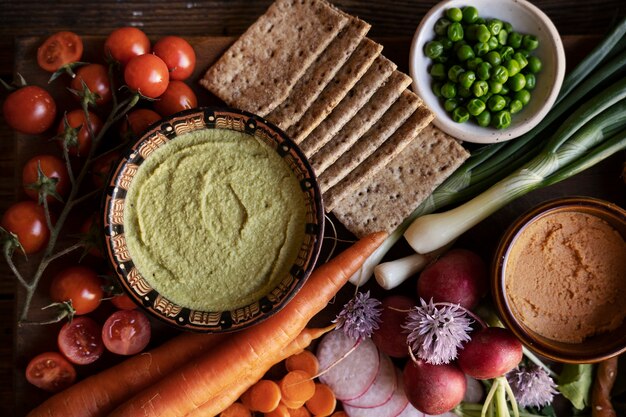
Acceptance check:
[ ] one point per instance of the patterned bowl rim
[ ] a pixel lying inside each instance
(116, 250)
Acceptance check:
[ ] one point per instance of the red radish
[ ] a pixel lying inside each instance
(492, 352)
(381, 389)
(390, 337)
(391, 408)
(459, 277)
(433, 389)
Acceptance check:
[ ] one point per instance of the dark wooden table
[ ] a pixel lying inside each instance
(580, 23)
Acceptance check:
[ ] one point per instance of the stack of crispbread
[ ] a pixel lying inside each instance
(310, 69)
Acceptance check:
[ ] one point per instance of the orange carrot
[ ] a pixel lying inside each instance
(264, 396)
(305, 361)
(291, 404)
(299, 412)
(323, 402)
(99, 394)
(297, 386)
(280, 411)
(201, 380)
(236, 410)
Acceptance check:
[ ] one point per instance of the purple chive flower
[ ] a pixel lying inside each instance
(532, 386)
(437, 331)
(360, 316)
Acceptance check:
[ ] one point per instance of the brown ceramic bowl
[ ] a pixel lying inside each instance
(592, 349)
(131, 279)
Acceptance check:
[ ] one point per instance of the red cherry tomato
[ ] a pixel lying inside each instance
(123, 302)
(147, 74)
(77, 118)
(177, 97)
(178, 55)
(27, 220)
(102, 166)
(92, 235)
(50, 371)
(126, 332)
(80, 285)
(29, 110)
(52, 167)
(96, 77)
(80, 341)
(125, 43)
(59, 49)
(138, 121)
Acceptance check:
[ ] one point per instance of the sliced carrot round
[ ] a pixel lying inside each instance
(280, 411)
(323, 402)
(304, 361)
(299, 412)
(263, 396)
(236, 410)
(297, 386)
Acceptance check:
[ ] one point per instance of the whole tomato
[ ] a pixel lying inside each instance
(29, 110)
(59, 49)
(52, 167)
(102, 166)
(177, 54)
(76, 118)
(91, 232)
(177, 97)
(147, 74)
(80, 285)
(96, 77)
(27, 220)
(138, 121)
(125, 43)
(123, 302)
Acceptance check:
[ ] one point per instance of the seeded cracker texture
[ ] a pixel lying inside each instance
(386, 199)
(259, 70)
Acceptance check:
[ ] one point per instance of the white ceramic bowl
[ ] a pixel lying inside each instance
(526, 19)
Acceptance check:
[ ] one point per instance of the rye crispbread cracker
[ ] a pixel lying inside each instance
(393, 193)
(349, 74)
(361, 122)
(381, 157)
(319, 74)
(259, 70)
(393, 118)
(356, 98)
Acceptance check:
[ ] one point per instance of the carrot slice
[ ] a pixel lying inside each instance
(304, 361)
(264, 396)
(280, 411)
(297, 386)
(236, 410)
(323, 402)
(299, 412)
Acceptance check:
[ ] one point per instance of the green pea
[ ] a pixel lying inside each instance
(480, 21)
(517, 82)
(470, 32)
(513, 67)
(506, 52)
(455, 14)
(523, 51)
(493, 43)
(514, 40)
(502, 37)
(507, 101)
(464, 53)
(482, 33)
(460, 115)
(499, 74)
(534, 64)
(481, 48)
(464, 92)
(433, 49)
(437, 89)
(473, 63)
(480, 88)
(494, 58)
(455, 32)
(454, 72)
(441, 26)
(501, 120)
(470, 14)
(448, 90)
(530, 42)
(458, 44)
(495, 87)
(475, 106)
(505, 90)
(487, 96)
(521, 60)
(483, 119)
(450, 104)
(446, 43)
(484, 70)
(495, 26)
(442, 59)
(467, 79)
(495, 102)
(531, 81)
(523, 96)
(438, 71)
(507, 26)
(515, 106)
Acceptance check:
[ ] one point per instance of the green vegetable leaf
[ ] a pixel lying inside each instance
(574, 383)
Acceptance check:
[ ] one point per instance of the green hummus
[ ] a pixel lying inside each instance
(214, 219)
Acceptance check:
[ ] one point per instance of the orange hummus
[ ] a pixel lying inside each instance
(566, 276)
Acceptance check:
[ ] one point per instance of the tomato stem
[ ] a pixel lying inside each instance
(8, 251)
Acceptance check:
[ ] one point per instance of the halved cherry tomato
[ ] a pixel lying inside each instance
(77, 118)
(125, 43)
(138, 121)
(29, 110)
(80, 340)
(147, 74)
(126, 332)
(52, 167)
(123, 302)
(177, 54)
(96, 77)
(59, 49)
(80, 285)
(27, 220)
(177, 97)
(50, 371)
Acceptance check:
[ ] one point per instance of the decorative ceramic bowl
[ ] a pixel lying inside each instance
(592, 349)
(526, 19)
(131, 279)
